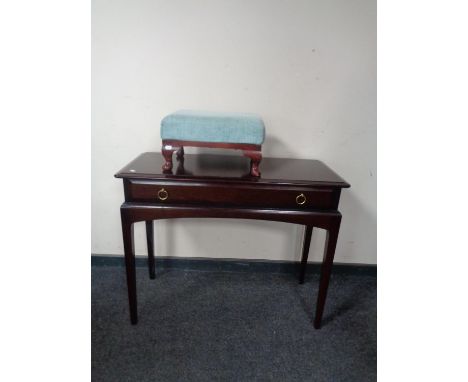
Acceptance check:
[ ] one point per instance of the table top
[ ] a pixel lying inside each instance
(233, 168)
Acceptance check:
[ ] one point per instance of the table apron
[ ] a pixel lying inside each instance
(135, 212)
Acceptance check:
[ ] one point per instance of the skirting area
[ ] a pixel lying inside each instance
(211, 325)
(233, 265)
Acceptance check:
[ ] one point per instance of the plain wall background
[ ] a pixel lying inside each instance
(307, 67)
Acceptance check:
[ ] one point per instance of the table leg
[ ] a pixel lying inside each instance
(329, 254)
(129, 249)
(305, 252)
(150, 244)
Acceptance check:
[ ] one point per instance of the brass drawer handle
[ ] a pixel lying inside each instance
(162, 194)
(301, 199)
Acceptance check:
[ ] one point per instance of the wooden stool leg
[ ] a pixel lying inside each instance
(255, 159)
(150, 244)
(180, 153)
(167, 154)
(129, 249)
(329, 254)
(305, 252)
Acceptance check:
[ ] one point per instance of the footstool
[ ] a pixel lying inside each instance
(184, 128)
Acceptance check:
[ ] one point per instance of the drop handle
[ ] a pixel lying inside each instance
(163, 194)
(301, 199)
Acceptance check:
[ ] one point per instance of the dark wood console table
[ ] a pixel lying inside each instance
(296, 191)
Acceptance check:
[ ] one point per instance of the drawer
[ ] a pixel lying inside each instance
(225, 194)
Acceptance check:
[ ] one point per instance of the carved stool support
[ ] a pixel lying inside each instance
(167, 151)
(255, 159)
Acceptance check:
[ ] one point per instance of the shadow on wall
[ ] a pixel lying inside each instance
(228, 238)
(272, 147)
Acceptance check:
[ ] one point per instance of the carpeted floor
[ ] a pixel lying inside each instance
(221, 326)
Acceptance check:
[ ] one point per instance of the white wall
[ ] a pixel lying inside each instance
(307, 67)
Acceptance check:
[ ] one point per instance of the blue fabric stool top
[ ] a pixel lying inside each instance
(197, 126)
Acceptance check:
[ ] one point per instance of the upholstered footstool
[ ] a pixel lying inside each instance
(184, 128)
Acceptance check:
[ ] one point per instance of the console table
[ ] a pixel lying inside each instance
(298, 191)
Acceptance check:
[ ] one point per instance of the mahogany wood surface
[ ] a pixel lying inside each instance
(297, 191)
(234, 168)
(221, 145)
(257, 195)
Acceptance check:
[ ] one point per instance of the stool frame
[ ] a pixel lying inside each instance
(254, 152)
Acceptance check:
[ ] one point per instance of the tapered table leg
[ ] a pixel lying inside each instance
(305, 252)
(150, 244)
(329, 254)
(129, 249)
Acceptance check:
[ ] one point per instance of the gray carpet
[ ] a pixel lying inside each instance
(220, 326)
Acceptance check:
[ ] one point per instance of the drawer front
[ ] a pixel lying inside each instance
(232, 195)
